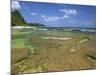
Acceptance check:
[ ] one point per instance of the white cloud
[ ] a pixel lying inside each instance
(15, 5)
(68, 11)
(50, 18)
(33, 13)
(43, 16)
(66, 14)
(53, 18)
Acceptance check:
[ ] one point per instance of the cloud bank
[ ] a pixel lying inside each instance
(15, 5)
(66, 14)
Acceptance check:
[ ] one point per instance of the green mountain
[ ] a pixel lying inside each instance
(17, 19)
(36, 25)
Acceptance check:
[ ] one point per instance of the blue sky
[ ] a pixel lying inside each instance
(57, 15)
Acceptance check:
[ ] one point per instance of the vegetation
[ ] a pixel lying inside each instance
(36, 25)
(76, 30)
(17, 19)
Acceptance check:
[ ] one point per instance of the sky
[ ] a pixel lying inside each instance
(56, 15)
